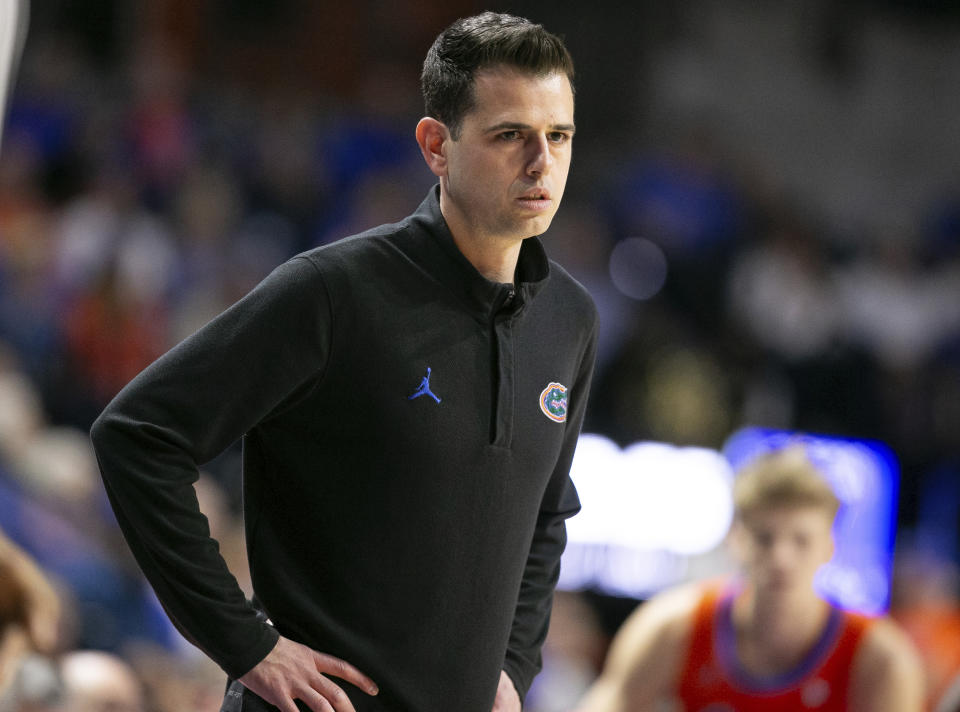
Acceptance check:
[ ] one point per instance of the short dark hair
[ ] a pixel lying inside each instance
(474, 43)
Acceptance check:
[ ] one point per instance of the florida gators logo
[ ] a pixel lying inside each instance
(553, 402)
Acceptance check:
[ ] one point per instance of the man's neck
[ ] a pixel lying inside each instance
(495, 257)
(497, 262)
(774, 634)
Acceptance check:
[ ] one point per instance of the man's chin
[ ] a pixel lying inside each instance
(782, 587)
(537, 226)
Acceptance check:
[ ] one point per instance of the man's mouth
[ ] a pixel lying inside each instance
(536, 194)
(536, 199)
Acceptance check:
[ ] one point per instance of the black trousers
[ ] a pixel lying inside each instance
(239, 699)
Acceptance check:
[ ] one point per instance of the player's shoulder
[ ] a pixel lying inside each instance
(667, 618)
(677, 607)
(885, 644)
(646, 657)
(887, 673)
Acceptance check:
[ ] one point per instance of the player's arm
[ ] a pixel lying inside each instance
(644, 661)
(887, 675)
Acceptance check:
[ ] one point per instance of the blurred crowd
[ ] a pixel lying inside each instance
(139, 197)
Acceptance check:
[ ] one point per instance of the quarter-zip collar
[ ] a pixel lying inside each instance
(450, 267)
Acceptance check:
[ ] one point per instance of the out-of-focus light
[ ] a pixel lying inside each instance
(646, 508)
(865, 477)
(638, 268)
(649, 510)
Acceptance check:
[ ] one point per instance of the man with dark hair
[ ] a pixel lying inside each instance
(410, 400)
(482, 42)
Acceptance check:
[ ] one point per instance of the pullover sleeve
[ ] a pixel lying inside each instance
(182, 411)
(560, 502)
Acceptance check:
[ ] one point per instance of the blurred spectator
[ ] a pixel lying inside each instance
(160, 127)
(53, 506)
(99, 682)
(782, 293)
(685, 201)
(114, 272)
(182, 681)
(21, 409)
(895, 307)
(35, 687)
(109, 339)
(29, 610)
(27, 308)
(572, 654)
(926, 603)
(802, 369)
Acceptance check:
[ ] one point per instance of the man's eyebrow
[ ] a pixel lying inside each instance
(516, 126)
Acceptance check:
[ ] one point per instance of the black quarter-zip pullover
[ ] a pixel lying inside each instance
(408, 428)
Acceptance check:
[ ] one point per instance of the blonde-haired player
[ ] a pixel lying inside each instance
(766, 640)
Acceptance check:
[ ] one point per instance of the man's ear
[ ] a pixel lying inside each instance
(432, 136)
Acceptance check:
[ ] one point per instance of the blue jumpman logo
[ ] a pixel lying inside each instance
(424, 389)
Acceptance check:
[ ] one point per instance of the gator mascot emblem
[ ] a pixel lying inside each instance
(553, 402)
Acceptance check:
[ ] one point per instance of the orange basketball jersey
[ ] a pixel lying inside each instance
(713, 680)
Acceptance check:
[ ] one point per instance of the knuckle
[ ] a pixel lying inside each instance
(331, 691)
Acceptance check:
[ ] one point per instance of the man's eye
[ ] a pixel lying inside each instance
(558, 137)
(510, 135)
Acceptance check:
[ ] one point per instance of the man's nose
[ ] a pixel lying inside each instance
(541, 160)
(782, 553)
